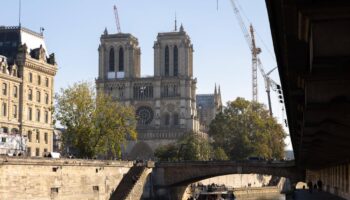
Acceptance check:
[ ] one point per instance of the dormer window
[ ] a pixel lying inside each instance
(14, 72)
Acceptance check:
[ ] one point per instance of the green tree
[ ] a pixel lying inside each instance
(167, 152)
(191, 146)
(219, 154)
(246, 129)
(95, 124)
(194, 147)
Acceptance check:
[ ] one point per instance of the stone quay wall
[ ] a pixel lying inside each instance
(59, 179)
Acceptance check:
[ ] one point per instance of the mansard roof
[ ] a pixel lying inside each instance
(11, 37)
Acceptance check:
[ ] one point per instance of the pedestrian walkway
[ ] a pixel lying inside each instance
(315, 195)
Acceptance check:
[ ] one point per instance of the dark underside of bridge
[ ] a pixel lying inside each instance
(312, 44)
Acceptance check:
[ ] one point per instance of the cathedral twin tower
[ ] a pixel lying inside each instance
(165, 104)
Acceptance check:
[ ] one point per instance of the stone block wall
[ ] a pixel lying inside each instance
(61, 179)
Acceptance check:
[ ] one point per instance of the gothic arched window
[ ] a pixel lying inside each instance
(176, 61)
(111, 60)
(176, 119)
(121, 59)
(166, 70)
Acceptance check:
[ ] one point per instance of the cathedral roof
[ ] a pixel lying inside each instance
(205, 100)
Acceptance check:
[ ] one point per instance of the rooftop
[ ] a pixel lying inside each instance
(11, 37)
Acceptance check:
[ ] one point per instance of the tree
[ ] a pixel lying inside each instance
(190, 146)
(219, 154)
(95, 124)
(167, 152)
(246, 129)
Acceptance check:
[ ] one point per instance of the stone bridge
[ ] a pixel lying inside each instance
(172, 178)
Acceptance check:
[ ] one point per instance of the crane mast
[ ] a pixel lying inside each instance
(117, 19)
(250, 39)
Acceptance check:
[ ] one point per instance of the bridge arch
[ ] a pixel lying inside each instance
(180, 174)
(170, 180)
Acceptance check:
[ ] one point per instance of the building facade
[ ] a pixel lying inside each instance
(165, 103)
(27, 88)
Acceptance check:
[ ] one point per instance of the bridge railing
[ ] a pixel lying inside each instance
(225, 163)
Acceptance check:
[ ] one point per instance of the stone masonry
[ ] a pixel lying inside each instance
(63, 179)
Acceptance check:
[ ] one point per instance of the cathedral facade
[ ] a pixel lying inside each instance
(165, 103)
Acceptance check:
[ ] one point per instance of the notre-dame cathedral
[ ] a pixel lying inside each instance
(165, 104)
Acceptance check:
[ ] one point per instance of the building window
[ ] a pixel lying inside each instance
(38, 95)
(176, 61)
(46, 98)
(29, 151)
(166, 61)
(3, 139)
(30, 94)
(166, 119)
(14, 72)
(14, 111)
(4, 109)
(54, 191)
(37, 152)
(39, 80)
(30, 77)
(30, 114)
(46, 117)
(45, 150)
(176, 119)
(4, 129)
(15, 91)
(46, 138)
(37, 137)
(121, 59)
(111, 60)
(47, 82)
(38, 115)
(4, 89)
(30, 136)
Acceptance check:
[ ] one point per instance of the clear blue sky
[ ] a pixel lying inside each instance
(73, 29)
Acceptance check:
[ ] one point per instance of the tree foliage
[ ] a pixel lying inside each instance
(95, 124)
(191, 146)
(246, 129)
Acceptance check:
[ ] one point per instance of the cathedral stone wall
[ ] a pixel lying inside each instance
(165, 104)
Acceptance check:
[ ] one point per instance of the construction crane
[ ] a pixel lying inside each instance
(250, 39)
(256, 63)
(117, 19)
